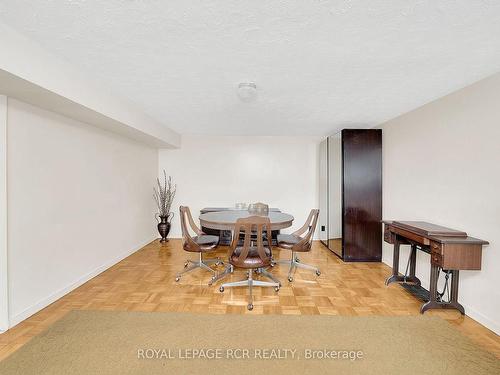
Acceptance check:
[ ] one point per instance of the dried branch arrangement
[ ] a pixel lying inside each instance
(164, 194)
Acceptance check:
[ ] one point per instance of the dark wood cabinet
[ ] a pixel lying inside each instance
(353, 203)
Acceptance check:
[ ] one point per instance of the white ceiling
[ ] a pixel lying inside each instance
(319, 65)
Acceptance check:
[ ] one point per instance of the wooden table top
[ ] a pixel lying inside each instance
(437, 233)
(225, 220)
(217, 209)
(429, 229)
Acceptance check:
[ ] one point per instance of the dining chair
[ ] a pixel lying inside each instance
(257, 209)
(201, 243)
(251, 255)
(299, 241)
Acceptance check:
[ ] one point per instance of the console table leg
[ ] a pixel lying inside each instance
(432, 304)
(395, 263)
(454, 292)
(413, 265)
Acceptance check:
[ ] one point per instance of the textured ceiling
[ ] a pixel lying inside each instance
(319, 65)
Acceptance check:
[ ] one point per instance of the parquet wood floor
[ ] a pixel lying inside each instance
(145, 282)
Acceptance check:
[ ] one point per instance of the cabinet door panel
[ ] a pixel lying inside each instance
(323, 192)
(335, 216)
(362, 194)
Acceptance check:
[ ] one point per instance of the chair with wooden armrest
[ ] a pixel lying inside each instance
(201, 243)
(252, 255)
(299, 241)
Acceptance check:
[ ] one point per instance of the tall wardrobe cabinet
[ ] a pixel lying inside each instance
(350, 194)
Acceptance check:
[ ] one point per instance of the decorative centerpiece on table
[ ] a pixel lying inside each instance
(164, 195)
(259, 209)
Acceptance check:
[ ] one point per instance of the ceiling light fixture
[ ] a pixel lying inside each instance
(247, 91)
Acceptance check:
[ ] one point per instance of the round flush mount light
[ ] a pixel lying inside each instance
(247, 91)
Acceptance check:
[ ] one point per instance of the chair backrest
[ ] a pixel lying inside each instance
(250, 227)
(308, 228)
(188, 243)
(258, 208)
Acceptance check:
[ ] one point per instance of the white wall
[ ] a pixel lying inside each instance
(220, 171)
(80, 199)
(4, 288)
(442, 164)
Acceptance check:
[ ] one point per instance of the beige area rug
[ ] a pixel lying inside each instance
(92, 342)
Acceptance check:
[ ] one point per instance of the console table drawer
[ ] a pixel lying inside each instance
(436, 248)
(436, 259)
(388, 236)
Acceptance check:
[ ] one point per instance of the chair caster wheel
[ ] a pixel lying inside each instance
(185, 265)
(250, 306)
(297, 260)
(221, 289)
(276, 288)
(272, 264)
(318, 272)
(290, 278)
(177, 279)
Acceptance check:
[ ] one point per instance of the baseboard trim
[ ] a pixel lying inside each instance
(18, 318)
(471, 313)
(482, 319)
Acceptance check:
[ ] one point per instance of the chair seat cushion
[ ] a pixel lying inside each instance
(206, 241)
(253, 259)
(287, 241)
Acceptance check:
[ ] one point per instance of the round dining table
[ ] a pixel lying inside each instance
(226, 220)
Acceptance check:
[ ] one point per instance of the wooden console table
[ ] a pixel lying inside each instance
(450, 251)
